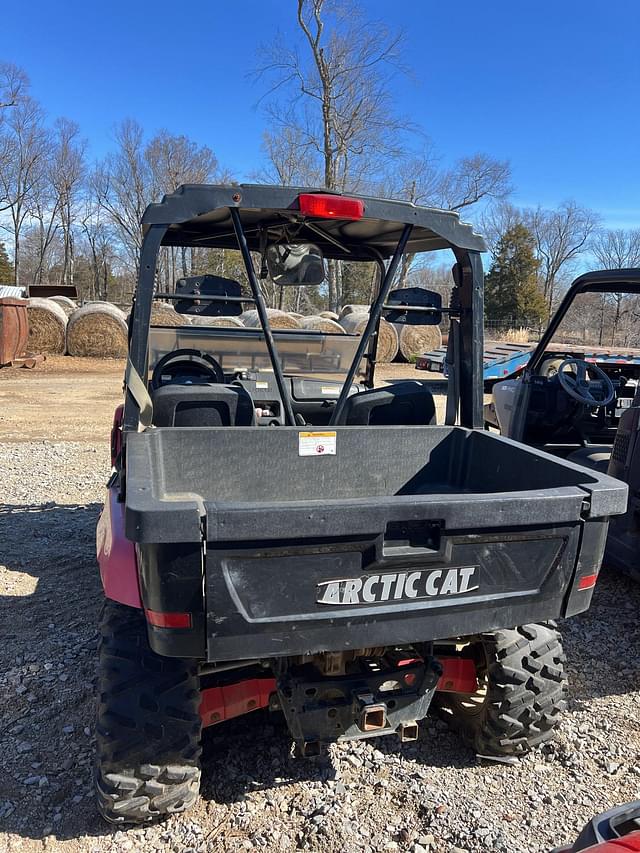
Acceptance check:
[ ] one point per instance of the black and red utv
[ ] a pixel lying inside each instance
(279, 532)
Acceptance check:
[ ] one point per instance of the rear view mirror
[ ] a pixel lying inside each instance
(295, 263)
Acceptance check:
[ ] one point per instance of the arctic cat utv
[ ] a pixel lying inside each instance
(579, 396)
(279, 533)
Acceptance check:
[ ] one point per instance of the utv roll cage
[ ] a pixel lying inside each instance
(353, 228)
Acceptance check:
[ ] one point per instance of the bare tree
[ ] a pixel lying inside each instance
(560, 236)
(291, 161)
(474, 179)
(471, 180)
(14, 85)
(122, 185)
(99, 239)
(617, 249)
(172, 161)
(23, 147)
(338, 116)
(67, 172)
(496, 220)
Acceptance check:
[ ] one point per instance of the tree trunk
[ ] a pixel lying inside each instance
(16, 260)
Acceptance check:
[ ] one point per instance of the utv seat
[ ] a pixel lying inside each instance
(202, 406)
(407, 403)
(594, 456)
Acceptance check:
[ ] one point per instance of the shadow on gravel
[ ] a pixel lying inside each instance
(50, 598)
(603, 644)
(253, 753)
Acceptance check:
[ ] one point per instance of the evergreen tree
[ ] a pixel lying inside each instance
(511, 287)
(6, 267)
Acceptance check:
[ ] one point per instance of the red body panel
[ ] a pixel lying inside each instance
(619, 845)
(233, 700)
(116, 555)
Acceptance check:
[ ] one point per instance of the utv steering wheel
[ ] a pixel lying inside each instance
(188, 364)
(580, 388)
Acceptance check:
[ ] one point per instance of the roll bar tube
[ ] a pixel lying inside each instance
(264, 319)
(140, 319)
(374, 318)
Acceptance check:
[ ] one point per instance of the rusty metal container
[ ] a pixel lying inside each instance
(14, 329)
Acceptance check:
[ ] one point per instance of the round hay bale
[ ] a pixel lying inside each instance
(329, 315)
(166, 315)
(277, 319)
(355, 324)
(322, 324)
(218, 322)
(67, 305)
(47, 326)
(415, 340)
(354, 309)
(99, 330)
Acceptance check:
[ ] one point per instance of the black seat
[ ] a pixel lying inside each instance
(407, 403)
(202, 406)
(594, 456)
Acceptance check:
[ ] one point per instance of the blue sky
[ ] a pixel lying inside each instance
(552, 86)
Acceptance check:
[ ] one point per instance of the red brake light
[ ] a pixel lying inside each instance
(330, 206)
(587, 582)
(168, 620)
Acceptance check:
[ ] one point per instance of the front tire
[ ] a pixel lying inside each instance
(522, 691)
(148, 727)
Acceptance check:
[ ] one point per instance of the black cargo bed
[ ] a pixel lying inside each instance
(291, 540)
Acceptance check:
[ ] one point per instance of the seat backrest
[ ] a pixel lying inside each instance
(202, 406)
(407, 403)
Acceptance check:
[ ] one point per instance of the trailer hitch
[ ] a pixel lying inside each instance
(380, 696)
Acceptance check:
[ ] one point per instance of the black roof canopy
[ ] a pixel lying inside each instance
(198, 215)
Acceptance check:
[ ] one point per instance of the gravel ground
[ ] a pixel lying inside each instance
(429, 796)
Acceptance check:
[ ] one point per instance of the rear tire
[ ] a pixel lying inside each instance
(523, 688)
(148, 728)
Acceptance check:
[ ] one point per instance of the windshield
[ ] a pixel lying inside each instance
(308, 353)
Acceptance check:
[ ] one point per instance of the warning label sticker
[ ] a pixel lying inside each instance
(316, 444)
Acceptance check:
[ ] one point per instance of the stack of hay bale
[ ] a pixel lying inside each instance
(398, 341)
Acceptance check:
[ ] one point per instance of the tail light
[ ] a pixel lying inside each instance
(168, 620)
(326, 206)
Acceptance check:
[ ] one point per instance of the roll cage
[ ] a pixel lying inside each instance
(244, 216)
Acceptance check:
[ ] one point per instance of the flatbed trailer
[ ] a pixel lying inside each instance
(504, 360)
(500, 359)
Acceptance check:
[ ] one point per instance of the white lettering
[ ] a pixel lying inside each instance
(432, 589)
(410, 586)
(351, 590)
(465, 579)
(450, 585)
(367, 589)
(331, 594)
(396, 587)
(399, 591)
(386, 581)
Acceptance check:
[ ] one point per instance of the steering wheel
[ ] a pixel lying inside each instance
(580, 388)
(186, 363)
